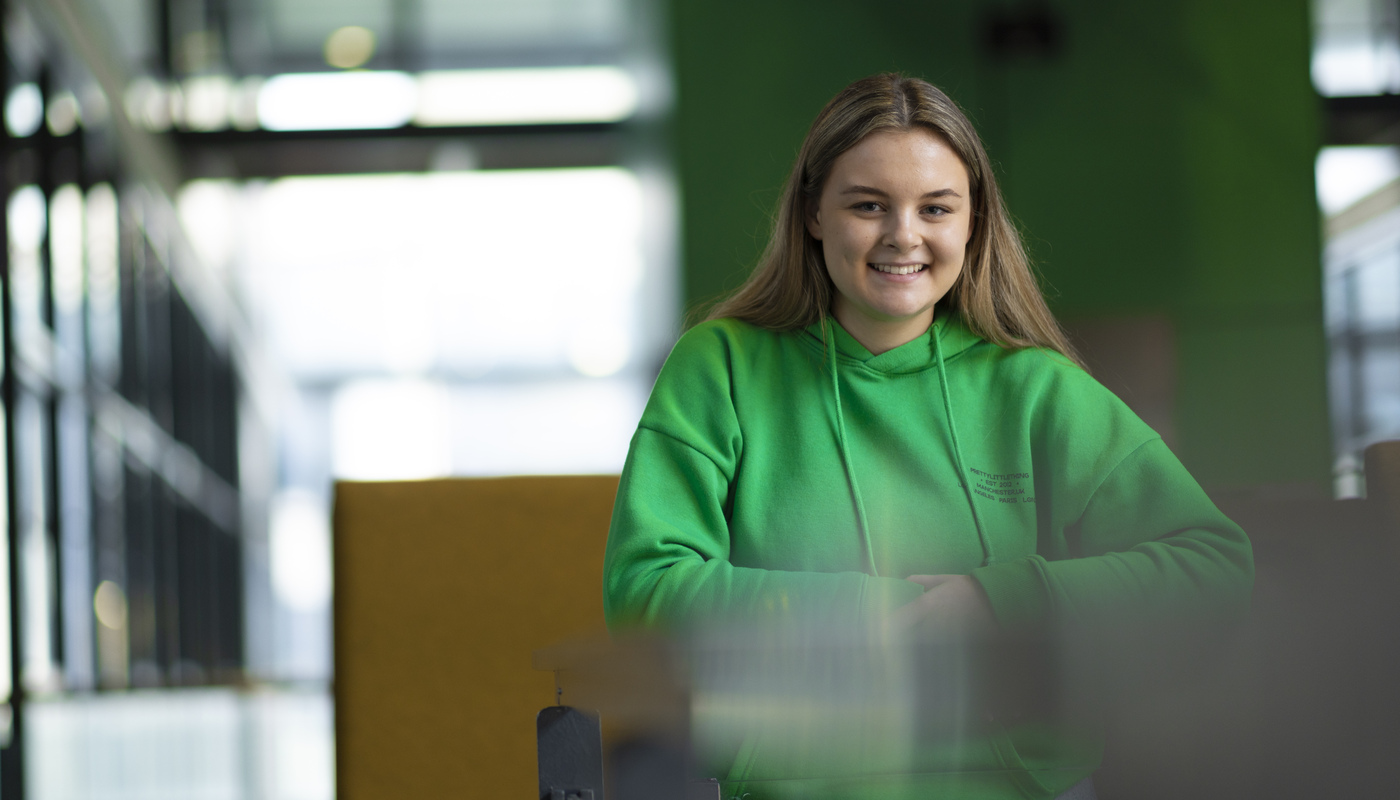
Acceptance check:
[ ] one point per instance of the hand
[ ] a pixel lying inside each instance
(949, 604)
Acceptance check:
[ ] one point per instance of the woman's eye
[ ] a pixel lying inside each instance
(935, 211)
(869, 205)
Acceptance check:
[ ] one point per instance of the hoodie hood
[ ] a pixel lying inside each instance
(954, 338)
(946, 338)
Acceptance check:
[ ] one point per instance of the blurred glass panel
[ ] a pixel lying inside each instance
(1359, 193)
(66, 269)
(148, 104)
(64, 114)
(294, 756)
(455, 25)
(75, 542)
(37, 563)
(7, 682)
(370, 100)
(350, 47)
(1348, 174)
(185, 744)
(457, 273)
(208, 102)
(1355, 47)
(1341, 393)
(398, 430)
(1378, 291)
(301, 550)
(304, 24)
(112, 612)
(210, 212)
(389, 430)
(300, 35)
(1381, 368)
(525, 96)
(319, 101)
(556, 427)
(27, 218)
(103, 285)
(133, 27)
(1335, 306)
(24, 110)
(66, 248)
(299, 555)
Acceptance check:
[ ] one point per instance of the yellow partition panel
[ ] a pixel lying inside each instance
(443, 589)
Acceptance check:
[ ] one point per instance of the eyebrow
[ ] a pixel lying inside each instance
(880, 193)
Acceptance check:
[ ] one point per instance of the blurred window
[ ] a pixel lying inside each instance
(1359, 193)
(193, 744)
(461, 323)
(1356, 60)
(449, 25)
(469, 322)
(453, 228)
(1356, 47)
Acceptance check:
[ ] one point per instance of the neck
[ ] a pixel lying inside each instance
(878, 336)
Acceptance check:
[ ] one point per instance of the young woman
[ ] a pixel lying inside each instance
(885, 425)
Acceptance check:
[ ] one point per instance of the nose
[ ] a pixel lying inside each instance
(900, 232)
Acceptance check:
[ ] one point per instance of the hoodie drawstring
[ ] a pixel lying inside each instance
(862, 526)
(964, 479)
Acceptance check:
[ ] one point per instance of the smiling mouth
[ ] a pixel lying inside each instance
(898, 269)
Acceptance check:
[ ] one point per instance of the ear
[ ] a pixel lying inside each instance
(814, 225)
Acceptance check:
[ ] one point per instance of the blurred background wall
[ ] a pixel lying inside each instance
(1158, 157)
(255, 246)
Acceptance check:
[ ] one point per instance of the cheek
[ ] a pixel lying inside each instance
(955, 245)
(841, 231)
(835, 262)
(841, 246)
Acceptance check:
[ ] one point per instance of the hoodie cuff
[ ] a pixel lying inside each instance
(1018, 592)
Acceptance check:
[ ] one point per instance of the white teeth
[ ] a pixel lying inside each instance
(896, 270)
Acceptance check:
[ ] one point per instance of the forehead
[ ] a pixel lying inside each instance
(914, 159)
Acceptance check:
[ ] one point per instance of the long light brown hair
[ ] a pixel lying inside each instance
(996, 293)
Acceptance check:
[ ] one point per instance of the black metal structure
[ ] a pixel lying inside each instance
(121, 399)
(273, 154)
(1371, 119)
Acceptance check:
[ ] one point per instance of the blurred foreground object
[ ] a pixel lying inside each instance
(443, 589)
(834, 710)
(1304, 703)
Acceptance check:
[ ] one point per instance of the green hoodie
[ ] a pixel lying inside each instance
(773, 473)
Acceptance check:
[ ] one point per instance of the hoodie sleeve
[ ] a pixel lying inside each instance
(1150, 541)
(667, 562)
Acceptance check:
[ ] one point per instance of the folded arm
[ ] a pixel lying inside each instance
(667, 562)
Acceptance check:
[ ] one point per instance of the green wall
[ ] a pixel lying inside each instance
(1161, 164)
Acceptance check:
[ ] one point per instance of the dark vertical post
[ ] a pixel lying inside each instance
(165, 32)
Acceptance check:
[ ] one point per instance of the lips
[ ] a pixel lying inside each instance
(898, 269)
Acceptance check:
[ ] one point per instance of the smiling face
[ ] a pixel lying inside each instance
(894, 219)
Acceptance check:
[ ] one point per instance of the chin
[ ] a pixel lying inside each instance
(904, 312)
(903, 316)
